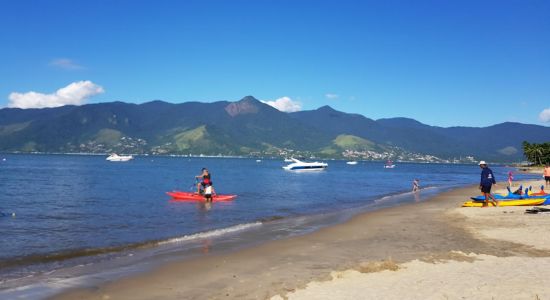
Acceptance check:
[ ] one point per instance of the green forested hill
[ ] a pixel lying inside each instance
(246, 127)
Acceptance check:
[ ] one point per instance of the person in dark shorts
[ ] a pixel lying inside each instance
(206, 179)
(416, 185)
(486, 182)
(209, 192)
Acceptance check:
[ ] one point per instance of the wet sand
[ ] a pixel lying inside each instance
(412, 239)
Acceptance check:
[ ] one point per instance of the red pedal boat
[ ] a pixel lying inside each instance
(187, 196)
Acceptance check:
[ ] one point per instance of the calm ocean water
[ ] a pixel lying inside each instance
(77, 210)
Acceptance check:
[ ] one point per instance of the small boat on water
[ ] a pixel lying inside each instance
(187, 196)
(389, 165)
(351, 162)
(298, 165)
(116, 157)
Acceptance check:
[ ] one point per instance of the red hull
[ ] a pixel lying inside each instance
(186, 196)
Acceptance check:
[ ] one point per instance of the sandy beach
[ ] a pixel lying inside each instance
(429, 250)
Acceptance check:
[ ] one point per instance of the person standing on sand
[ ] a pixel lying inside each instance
(510, 178)
(486, 182)
(546, 174)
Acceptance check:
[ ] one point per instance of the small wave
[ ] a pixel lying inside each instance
(391, 196)
(209, 234)
(270, 219)
(60, 256)
(394, 195)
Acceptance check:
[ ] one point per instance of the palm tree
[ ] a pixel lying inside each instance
(537, 153)
(528, 151)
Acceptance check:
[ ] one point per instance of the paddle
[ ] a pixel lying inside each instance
(194, 185)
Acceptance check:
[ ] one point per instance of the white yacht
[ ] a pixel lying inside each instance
(116, 157)
(353, 162)
(305, 166)
(389, 165)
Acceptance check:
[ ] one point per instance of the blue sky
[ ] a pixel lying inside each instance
(444, 63)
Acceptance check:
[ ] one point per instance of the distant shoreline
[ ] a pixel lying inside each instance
(249, 157)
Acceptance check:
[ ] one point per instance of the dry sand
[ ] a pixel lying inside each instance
(526, 275)
(438, 251)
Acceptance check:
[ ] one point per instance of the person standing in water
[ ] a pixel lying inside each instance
(486, 182)
(209, 192)
(416, 185)
(205, 180)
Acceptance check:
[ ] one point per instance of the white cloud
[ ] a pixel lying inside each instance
(75, 93)
(65, 63)
(544, 115)
(285, 104)
(332, 96)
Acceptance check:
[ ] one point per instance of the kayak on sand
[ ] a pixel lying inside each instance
(187, 196)
(523, 202)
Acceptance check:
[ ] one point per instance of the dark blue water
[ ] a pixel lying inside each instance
(70, 206)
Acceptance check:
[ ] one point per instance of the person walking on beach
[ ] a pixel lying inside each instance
(205, 180)
(510, 178)
(546, 174)
(486, 182)
(416, 185)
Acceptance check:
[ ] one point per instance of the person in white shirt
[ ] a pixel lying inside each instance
(209, 192)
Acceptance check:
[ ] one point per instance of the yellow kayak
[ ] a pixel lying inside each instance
(522, 202)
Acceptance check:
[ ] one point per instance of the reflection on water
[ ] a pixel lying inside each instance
(416, 196)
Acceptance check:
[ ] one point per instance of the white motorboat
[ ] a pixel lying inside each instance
(305, 166)
(116, 157)
(351, 162)
(389, 165)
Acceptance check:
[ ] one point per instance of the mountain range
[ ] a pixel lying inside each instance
(251, 127)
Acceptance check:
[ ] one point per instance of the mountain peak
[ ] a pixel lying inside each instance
(401, 122)
(155, 103)
(326, 108)
(249, 99)
(247, 105)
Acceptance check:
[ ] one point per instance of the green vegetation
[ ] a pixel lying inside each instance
(352, 142)
(12, 128)
(251, 128)
(347, 142)
(187, 139)
(108, 136)
(537, 154)
(29, 147)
